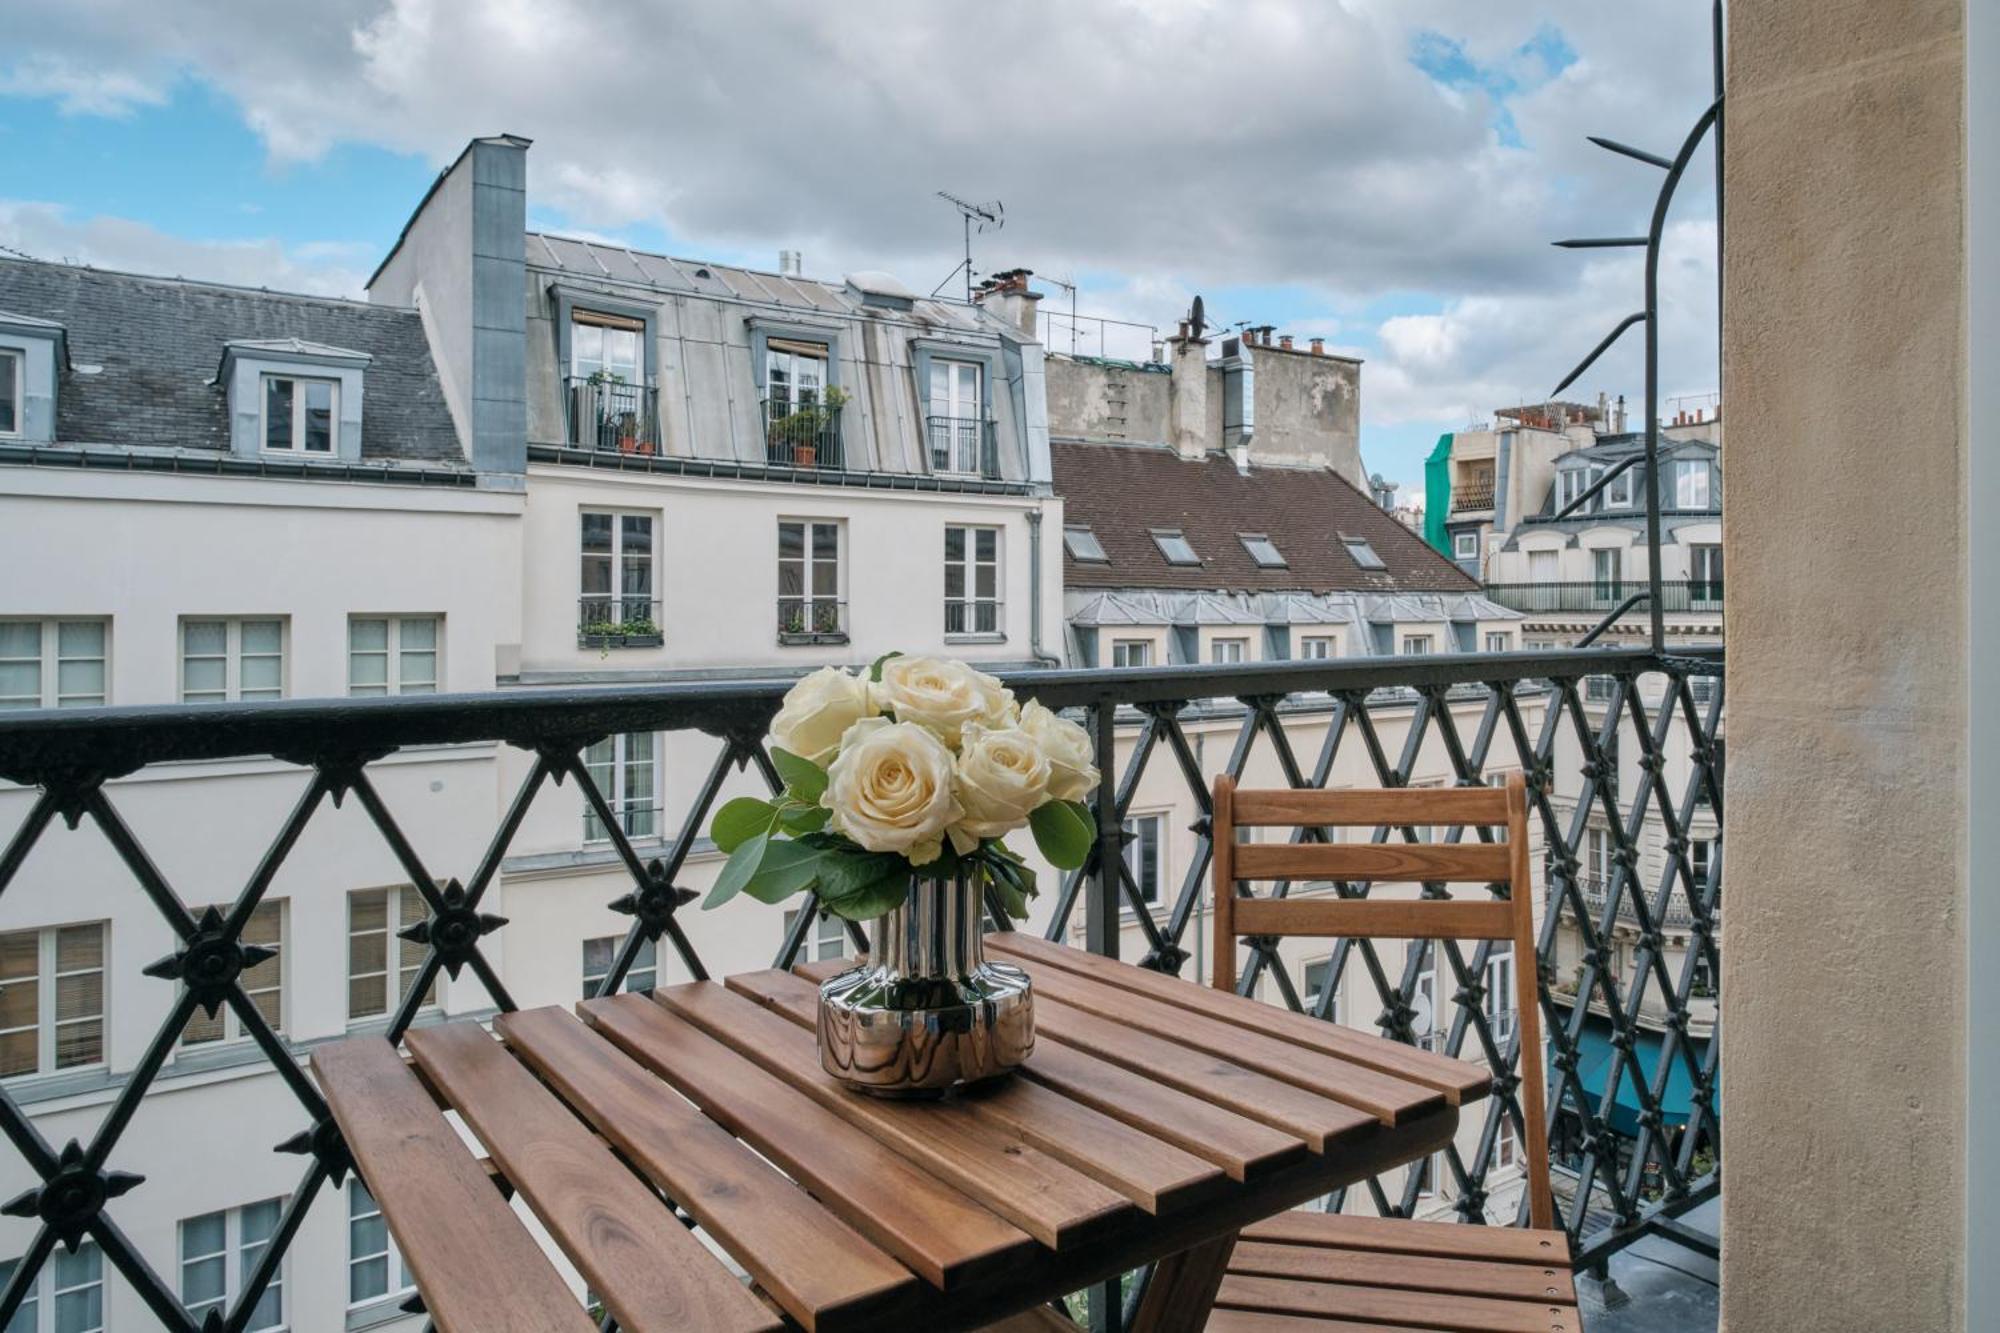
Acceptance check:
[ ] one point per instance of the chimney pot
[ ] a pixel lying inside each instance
(1285, 341)
(1319, 347)
(790, 263)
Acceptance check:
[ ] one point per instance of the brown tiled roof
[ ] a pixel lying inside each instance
(1123, 492)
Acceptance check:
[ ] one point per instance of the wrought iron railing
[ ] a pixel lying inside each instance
(964, 445)
(1629, 1180)
(618, 620)
(1596, 890)
(1600, 595)
(811, 620)
(805, 435)
(611, 416)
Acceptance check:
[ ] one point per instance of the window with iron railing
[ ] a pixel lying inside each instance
(971, 580)
(960, 435)
(811, 608)
(616, 578)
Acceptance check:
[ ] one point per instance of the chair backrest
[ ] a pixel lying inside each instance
(1503, 861)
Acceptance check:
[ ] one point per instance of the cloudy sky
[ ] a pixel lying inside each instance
(1387, 174)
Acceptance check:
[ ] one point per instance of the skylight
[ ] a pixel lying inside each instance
(1083, 544)
(1174, 546)
(1262, 549)
(1362, 553)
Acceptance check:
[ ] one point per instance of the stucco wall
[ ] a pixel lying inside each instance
(1308, 412)
(1843, 1122)
(1095, 400)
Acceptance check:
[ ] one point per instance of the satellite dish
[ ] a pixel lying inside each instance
(1197, 317)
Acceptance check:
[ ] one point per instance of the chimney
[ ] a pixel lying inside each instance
(1285, 341)
(1006, 297)
(1187, 394)
(790, 263)
(1319, 347)
(1603, 410)
(1618, 417)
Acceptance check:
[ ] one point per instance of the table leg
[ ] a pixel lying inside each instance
(1182, 1291)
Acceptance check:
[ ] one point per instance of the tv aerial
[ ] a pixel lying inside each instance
(989, 216)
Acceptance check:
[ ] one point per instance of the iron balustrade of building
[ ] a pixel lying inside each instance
(803, 434)
(811, 620)
(611, 415)
(618, 620)
(1676, 596)
(964, 445)
(1531, 716)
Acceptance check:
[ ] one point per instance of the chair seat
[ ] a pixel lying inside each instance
(1306, 1272)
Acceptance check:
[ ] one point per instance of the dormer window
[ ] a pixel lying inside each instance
(1175, 546)
(300, 414)
(1082, 544)
(33, 355)
(1262, 549)
(1361, 553)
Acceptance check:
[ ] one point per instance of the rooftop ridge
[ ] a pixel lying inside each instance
(212, 284)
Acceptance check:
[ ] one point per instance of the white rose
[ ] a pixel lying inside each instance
(1072, 775)
(1002, 776)
(943, 695)
(890, 789)
(818, 711)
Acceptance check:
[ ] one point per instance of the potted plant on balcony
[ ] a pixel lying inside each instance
(901, 785)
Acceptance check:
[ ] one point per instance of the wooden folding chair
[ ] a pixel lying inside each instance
(1323, 1272)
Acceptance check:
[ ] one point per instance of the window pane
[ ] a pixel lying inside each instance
(262, 636)
(319, 416)
(277, 413)
(954, 543)
(986, 543)
(79, 1283)
(204, 638)
(10, 394)
(826, 541)
(368, 636)
(597, 533)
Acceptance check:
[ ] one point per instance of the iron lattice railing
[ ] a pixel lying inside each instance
(1599, 595)
(72, 760)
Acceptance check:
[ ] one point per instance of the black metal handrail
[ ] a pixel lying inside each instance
(812, 620)
(803, 434)
(1598, 595)
(618, 619)
(72, 758)
(611, 415)
(964, 445)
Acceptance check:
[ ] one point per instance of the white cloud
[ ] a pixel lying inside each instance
(49, 231)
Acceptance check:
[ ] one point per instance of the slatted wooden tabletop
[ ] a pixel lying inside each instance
(1155, 1119)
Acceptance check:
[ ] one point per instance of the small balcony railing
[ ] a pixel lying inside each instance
(966, 446)
(804, 435)
(1471, 496)
(612, 416)
(618, 620)
(1682, 595)
(1596, 889)
(812, 620)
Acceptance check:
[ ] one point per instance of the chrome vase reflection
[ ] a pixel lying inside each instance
(927, 1012)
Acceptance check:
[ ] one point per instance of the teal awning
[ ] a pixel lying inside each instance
(1593, 1068)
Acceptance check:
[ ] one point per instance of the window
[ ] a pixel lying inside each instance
(51, 663)
(1618, 495)
(1228, 652)
(1541, 566)
(264, 982)
(623, 768)
(299, 414)
(1569, 485)
(971, 580)
(1318, 647)
(1705, 573)
(67, 1296)
(392, 654)
(1499, 1001)
(1319, 978)
(1175, 547)
(375, 1269)
(794, 375)
(1423, 1000)
(1142, 854)
(956, 416)
(828, 940)
(1465, 545)
(1082, 544)
(1506, 1145)
(220, 1251)
(1599, 689)
(1692, 478)
(1499, 641)
(1700, 852)
(375, 920)
(1416, 645)
(617, 573)
(51, 999)
(1131, 652)
(10, 393)
(1359, 551)
(1262, 549)
(1597, 856)
(809, 602)
(606, 347)
(599, 955)
(232, 659)
(1607, 583)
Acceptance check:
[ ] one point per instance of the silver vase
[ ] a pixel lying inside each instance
(926, 1012)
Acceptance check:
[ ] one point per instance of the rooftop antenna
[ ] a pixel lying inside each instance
(991, 216)
(1069, 286)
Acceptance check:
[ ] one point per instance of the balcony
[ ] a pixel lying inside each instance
(618, 620)
(1472, 495)
(605, 414)
(1688, 596)
(803, 435)
(1635, 1175)
(963, 446)
(810, 620)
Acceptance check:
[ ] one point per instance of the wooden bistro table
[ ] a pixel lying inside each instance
(1155, 1118)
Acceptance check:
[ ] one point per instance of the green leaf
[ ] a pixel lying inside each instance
(843, 873)
(804, 779)
(872, 899)
(1064, 832)
(803, 819)
(786, 868)
(737, 871)
(875, 667)
(740, 820)
(1012, 900)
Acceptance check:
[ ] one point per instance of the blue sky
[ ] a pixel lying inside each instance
(1386, 178)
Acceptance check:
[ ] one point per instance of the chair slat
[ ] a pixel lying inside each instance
(1404, 919)
(1473, 862)
(1367, 808)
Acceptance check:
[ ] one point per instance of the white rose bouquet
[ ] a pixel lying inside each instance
(918, 766)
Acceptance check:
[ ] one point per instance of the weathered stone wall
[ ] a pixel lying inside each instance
(1843, 1102)
(1308, 411)
(1107, 401)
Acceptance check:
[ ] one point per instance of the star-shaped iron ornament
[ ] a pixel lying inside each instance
(655, 902)
(210, 961)
(454, 932)
(71, 1199)
(325, 1143)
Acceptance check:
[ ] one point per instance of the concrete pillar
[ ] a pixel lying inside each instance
(1187, 406)
(1845, 1122)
